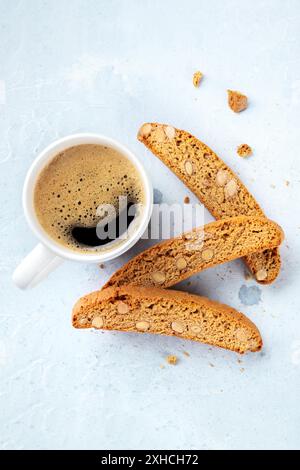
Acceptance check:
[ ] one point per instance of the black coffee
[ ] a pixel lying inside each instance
(74, 184)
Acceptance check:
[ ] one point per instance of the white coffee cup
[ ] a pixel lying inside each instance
(48, 254)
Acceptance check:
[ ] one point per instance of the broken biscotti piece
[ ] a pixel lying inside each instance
(212, 181)
(244, 150)
(172, 313)
(172, 359)
(197, 77)
(237, 101)
(174, 260)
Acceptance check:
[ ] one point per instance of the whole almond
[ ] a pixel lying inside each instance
(158, 277)
(230, 189)
(122, 308)
(181, 263)
(170, 132)
(222, 177)
(261, 275)
(207, 254)
(145, 130)
(188, 166)
(142, 325)
(196, 329)
(178, 326)
(97, 322)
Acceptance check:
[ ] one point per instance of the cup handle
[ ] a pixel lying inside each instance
(35, 267)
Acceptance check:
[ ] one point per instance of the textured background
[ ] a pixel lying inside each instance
(106, 66)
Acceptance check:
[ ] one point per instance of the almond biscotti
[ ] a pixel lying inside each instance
(212, 181)
(174, 260)
(171, 313)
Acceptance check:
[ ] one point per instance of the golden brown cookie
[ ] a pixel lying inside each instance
(174, 260)
(171, 313)
(211, 180)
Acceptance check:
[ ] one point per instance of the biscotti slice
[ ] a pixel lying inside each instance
(174, 260)
(172, 313)
(212, 181)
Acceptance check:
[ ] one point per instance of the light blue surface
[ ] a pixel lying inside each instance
(107, 66)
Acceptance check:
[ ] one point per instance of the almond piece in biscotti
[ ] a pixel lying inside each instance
(97, 322)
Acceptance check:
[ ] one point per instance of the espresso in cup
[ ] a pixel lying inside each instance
(74, 191)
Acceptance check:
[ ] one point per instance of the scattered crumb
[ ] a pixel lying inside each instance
(197, 77)
(186, 353)
(172, 360)
(211, 365)
(273, 186)
(248, 275)
(102, 266)
(186, 200)
(287, 183)
(242, 369)
(240, 361)
(237, 101)
(162, 366)
(244, 150)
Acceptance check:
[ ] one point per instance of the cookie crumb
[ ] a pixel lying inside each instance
(197, 77)
(242, 369)
(172, 360)
(237, 101)
(186, 200)
(211, 365)
(287, 183)
(102, 266)
(186, 353)
(273, 186)
(244, 150)
(162, 366)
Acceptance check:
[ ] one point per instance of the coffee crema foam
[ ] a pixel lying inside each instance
(70, 188)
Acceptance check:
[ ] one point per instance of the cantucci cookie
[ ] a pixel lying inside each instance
(164, 312)
(212, 181)
(174, 260)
